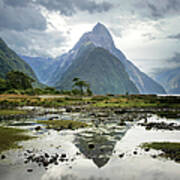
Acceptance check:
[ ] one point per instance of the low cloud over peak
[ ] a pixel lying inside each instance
(49, 27)
(175, 36)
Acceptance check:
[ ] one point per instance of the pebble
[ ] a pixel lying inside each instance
(154, 156)
(63, 155)
(146, 149)
(29, 170)
(37, 128)
(91, 146)
(3, 157)
(121, 155)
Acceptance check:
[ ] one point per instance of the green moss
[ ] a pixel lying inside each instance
(5, 112)
(170, 149)
(10, 136)
(63, 124)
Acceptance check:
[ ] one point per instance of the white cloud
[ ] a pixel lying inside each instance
(48, 28)
(36, 43)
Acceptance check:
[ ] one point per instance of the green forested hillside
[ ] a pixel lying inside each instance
(10, 61)
(103, 71)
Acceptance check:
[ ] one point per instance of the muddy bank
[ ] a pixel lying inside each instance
(160, 126)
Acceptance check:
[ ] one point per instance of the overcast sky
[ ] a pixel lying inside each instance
(147, 31)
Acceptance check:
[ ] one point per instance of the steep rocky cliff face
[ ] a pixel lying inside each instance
(102, 70)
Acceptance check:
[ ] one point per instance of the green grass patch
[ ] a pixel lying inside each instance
(121, 101)
(100, 98)
(4, 112)
(128, 104)
(10, 136)
(63, 124)
(170, 149)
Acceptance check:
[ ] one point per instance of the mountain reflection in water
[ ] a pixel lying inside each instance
(98, 143)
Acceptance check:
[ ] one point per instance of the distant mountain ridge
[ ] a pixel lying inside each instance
(42, 66)
(170, 79)
(101, 37)
(10, 61)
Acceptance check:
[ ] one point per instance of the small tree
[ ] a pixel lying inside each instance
(81, 85)
(18, 80)
(89, 92)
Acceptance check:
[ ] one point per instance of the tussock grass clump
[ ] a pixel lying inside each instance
(170, 149)
(6, 112)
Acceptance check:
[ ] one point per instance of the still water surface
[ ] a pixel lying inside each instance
(104, 152)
